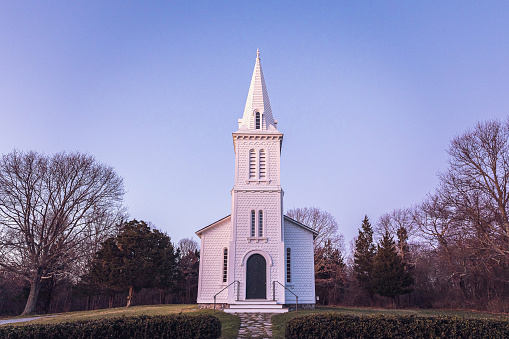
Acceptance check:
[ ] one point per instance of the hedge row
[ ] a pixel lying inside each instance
(334, 325)
(173, 326)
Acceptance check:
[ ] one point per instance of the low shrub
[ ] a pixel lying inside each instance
(163, 327)
(333, 325)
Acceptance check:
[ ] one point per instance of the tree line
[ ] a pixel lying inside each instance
(66, 244)
(451, 250)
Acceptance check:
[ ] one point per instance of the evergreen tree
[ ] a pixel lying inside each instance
(363, 257)
(330, 277)
(104, 270)
(139, 257)
(390, 277)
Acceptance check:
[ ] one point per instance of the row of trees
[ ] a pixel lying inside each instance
(459, 235)
(451, 250)
(385, 270)
(62, 224)
(64, 236)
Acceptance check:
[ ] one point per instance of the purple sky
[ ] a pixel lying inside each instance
(368, 95)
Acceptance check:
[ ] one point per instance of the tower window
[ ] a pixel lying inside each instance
(252, 164)
(260, 223)
(225, 265)
(262, 164)
(257, 120)
(288, 265)
(253, 223)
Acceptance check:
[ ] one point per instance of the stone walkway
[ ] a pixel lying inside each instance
(255, 325)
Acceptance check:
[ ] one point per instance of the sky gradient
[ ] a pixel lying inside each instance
(367, 94)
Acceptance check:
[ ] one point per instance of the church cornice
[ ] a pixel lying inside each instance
(254, 190)
(257, 136)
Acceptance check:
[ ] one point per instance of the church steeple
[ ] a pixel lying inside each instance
(257, 112)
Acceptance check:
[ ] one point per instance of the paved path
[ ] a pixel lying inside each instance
(18, 320)
(255, 325)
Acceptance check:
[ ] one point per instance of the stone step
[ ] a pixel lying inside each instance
(255, 302)
(255, 310)
(275, 306)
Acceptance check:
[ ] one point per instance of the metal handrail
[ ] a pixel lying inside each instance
(238, 289)
(274, 294)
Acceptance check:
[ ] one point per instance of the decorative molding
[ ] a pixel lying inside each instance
(257, 239)
(264, 254)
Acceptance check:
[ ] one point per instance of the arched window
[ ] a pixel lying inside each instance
(260, 223)
(262, 164)
(225, 265)
(253, 223)
(252, 164)
(288, 265)
(257, 120)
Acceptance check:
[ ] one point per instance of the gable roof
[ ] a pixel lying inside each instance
(287, 218)
(200, 231)
(307, 228)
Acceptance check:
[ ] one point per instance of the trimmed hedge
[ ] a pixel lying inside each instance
(333, 325)
(173, 326)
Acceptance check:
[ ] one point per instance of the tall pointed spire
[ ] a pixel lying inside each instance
(257, 102)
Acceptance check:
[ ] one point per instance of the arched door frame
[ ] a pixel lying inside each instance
(268, 265)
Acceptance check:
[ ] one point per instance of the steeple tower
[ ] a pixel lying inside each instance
(257, 112)
(250, 258)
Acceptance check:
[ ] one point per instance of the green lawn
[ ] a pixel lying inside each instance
(279, 321)
(229, 323)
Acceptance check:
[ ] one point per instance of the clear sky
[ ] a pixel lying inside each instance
(368, 94)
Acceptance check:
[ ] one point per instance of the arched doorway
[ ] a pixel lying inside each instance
(256, 277)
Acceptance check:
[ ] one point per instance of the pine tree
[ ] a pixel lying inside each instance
(390, 277)
(364, 255)
(330, 276)
(105, 269)
(139, 257)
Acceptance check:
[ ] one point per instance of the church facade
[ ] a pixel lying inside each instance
(256, 259)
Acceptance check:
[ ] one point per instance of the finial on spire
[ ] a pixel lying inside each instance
(257, 53)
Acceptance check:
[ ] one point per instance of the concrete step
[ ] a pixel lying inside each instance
(255, 306)
(256, 302)
(256, 310)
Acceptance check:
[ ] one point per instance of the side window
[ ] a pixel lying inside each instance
(252, 164)
(258, 120)
(253, 223)
(225, 265)
(260, 223)
(288, 265)
(262, 164)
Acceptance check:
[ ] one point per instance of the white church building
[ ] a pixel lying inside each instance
(256, 259)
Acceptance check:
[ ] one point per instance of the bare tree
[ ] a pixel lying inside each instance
(50, 209)
(187, 245)
(321, 221)
(476, 185)
(395, 222)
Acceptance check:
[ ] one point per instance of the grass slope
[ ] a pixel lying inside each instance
(230, 324)
(279, 321)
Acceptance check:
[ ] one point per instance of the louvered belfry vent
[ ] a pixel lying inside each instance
(252, 164)
(262, 164)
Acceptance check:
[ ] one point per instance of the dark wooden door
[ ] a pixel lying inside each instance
(256, 277)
